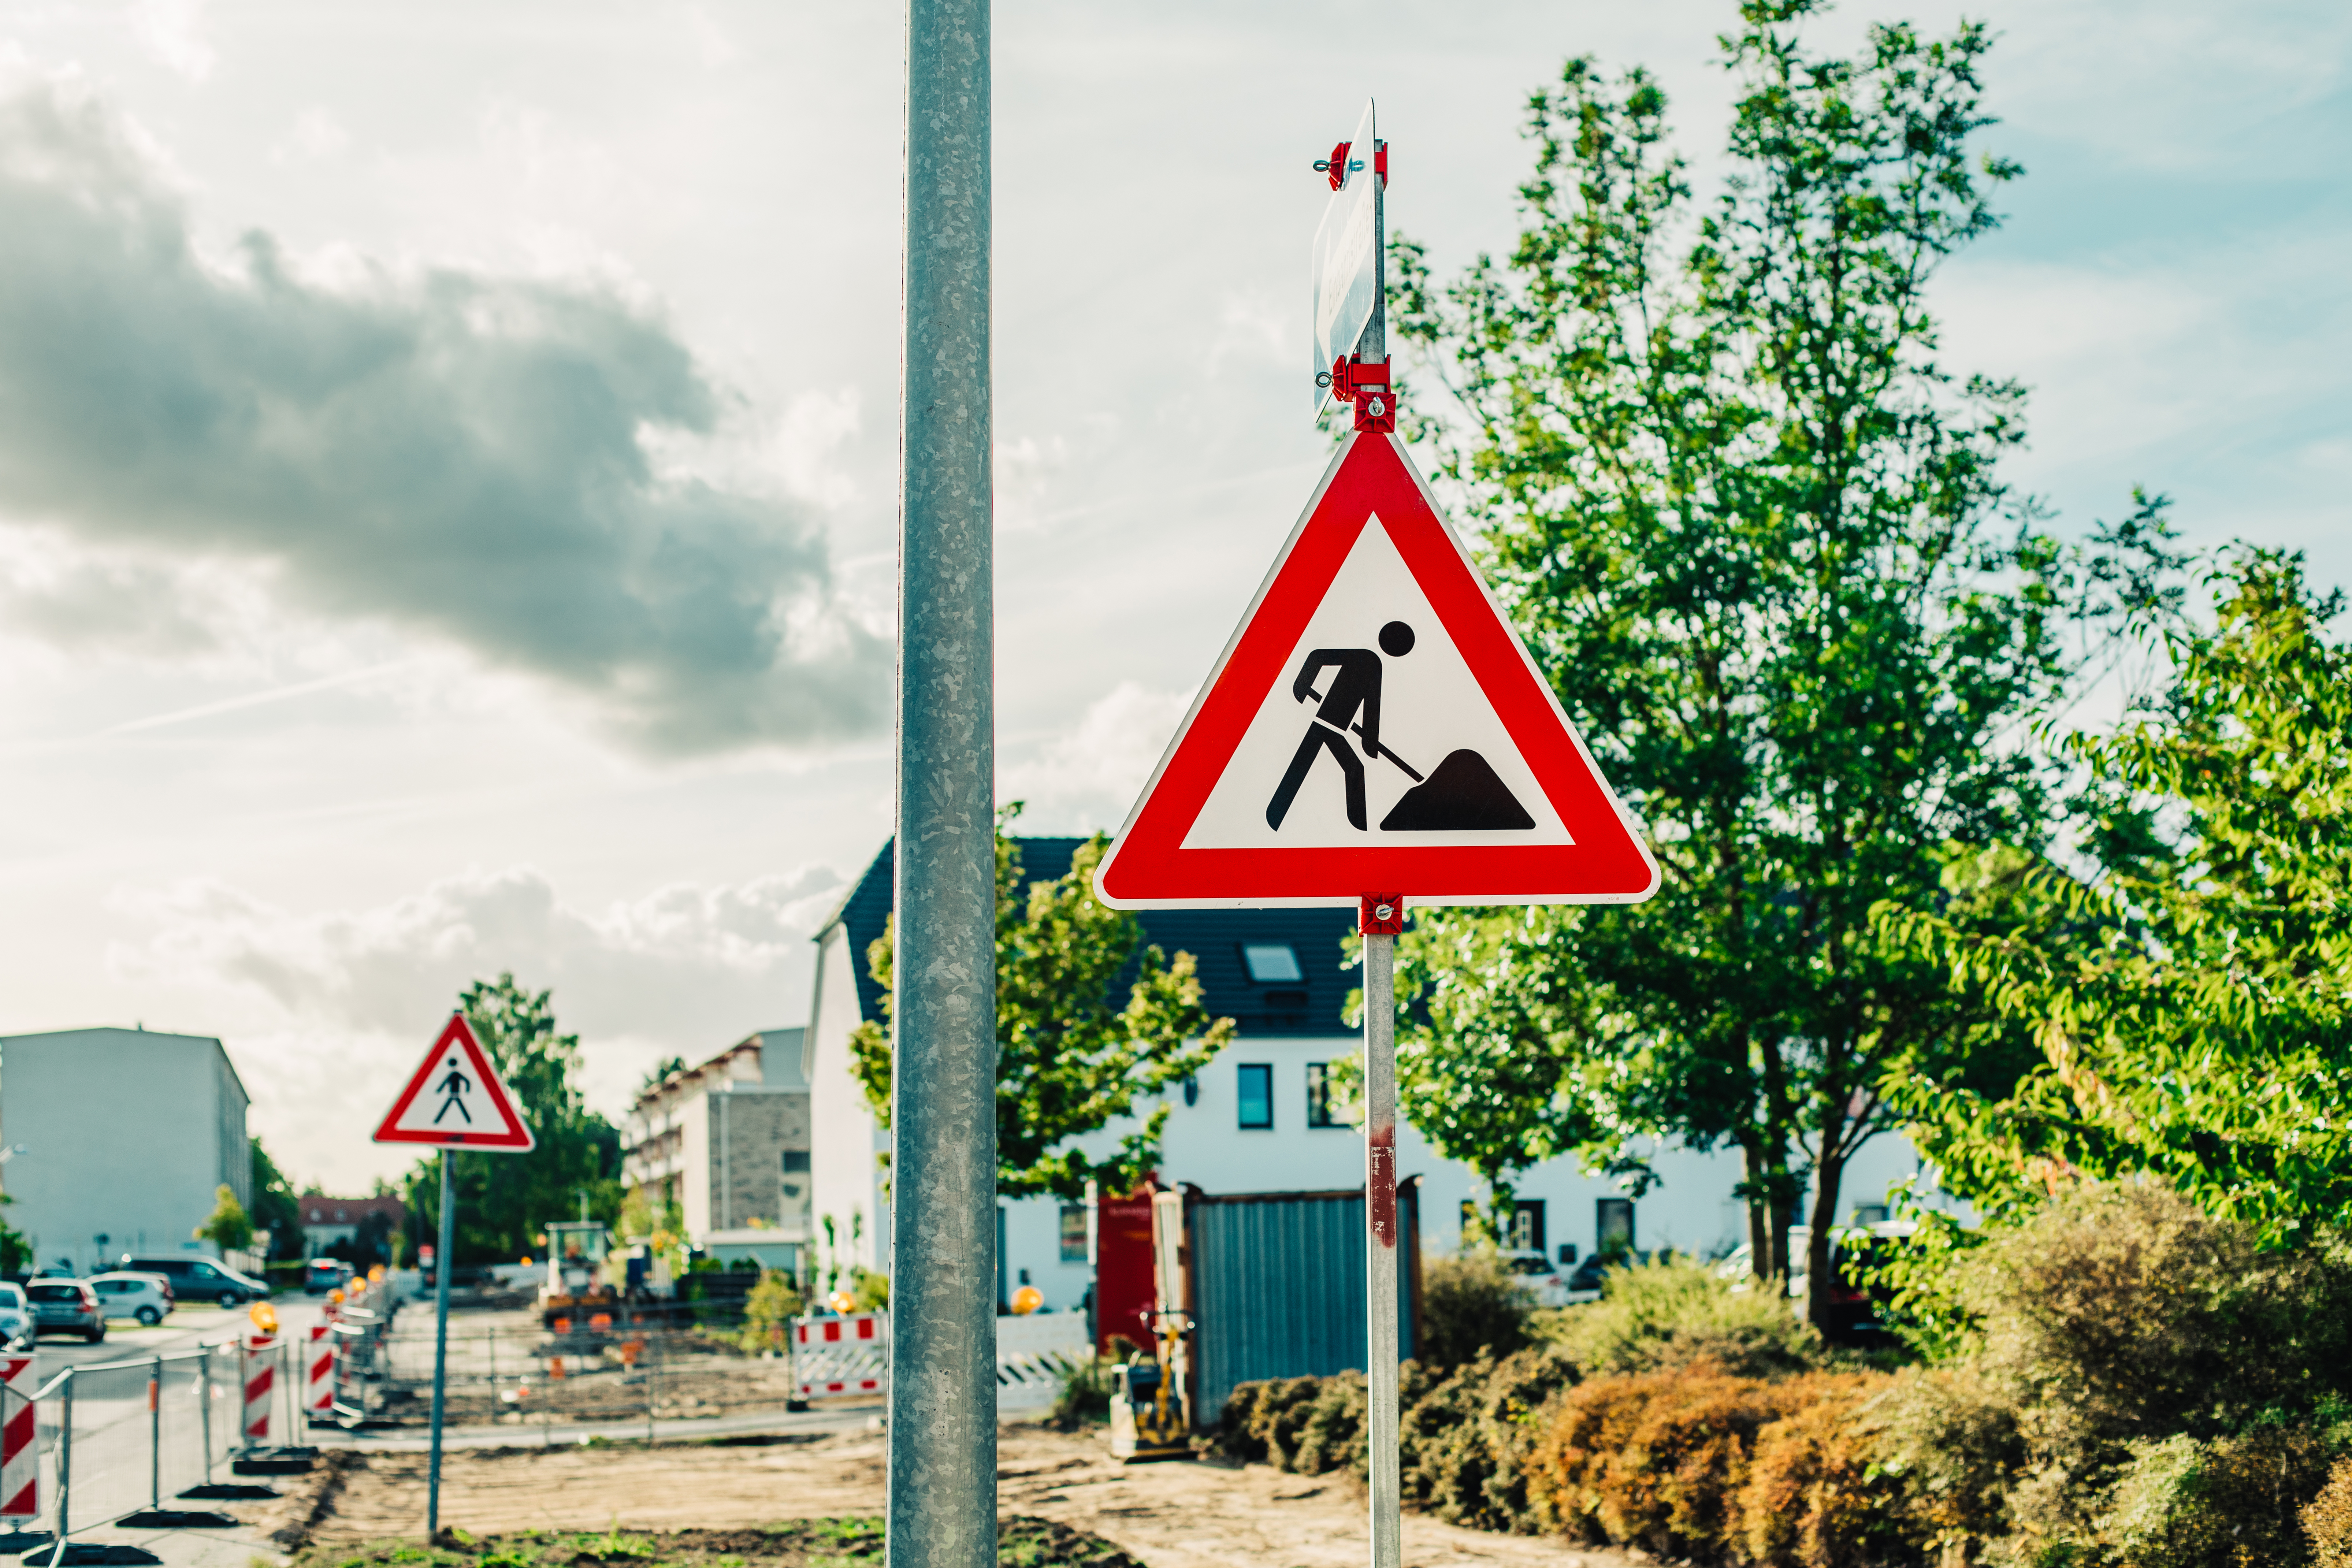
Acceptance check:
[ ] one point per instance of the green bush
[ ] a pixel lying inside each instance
(768, 1313)
(2225, 1502)
(1464, 1439)
(1085, 1395)
(1952, 1437)
(1654, 1317)
(2124, 1315)
(1262, 1420)
(1469, 1303)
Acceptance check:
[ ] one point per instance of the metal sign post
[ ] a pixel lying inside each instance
(1380, 918)
(942, 1441)
(443, 1253)
(455, 1099)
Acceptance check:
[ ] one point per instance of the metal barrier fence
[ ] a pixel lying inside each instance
(115, 1439)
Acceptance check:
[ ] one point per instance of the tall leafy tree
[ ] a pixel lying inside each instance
(1753, 531)
(275, 1207)
(505, 1200)
(1072, 1053)
(2191, 996)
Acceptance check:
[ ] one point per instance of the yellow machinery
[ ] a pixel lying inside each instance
(1150, 1411)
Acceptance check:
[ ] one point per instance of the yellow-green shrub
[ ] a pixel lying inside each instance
(1676, 1312)
(2327, 1519)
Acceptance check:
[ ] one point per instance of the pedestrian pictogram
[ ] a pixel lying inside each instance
(455, 1099)
(1376, 723)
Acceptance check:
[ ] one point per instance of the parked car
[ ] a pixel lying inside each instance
(1540, 1276)
(15, 1317)
(202, 1280)
(66, 1307)
(1853, 1309)
(325, 1274)
(123, 1294)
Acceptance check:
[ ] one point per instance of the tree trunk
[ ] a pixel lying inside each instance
(1759, 1216)
(1820, 1281)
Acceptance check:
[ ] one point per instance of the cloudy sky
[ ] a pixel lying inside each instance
(447, 452)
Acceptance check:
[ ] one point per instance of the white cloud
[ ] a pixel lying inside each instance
(315, 137)
(1091, 776)
(173, 31)
(324, 1009)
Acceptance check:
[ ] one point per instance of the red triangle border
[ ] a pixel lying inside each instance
(514, 1138)
(1148, 868)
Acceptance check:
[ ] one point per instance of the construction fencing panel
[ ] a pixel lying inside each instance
(1035, 1353)
(1276, 1287)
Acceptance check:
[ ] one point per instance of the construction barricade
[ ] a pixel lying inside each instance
(20, 1452)
(259, 1368)
(833, 1356)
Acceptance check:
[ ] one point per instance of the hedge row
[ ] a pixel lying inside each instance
(1825, 1470)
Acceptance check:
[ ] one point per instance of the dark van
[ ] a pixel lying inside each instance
(201, 1279)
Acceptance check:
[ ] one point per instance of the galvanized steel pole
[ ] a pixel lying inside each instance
(1380, 1244)
(442, 1258)
(942, 1509)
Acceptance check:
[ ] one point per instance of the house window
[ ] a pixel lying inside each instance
(1074, 1233)
(1528, 1225)
(796, 1162)
(1318, 1095)
(1612, 1226)
(1255, 1080)
(1272, 963)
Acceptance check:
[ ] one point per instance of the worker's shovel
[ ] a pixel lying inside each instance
(1378, 749)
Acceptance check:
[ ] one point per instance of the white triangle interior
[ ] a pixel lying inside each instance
(1430, 707)
(454, 1098)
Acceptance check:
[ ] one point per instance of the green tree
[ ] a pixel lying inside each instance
(505, 1200)
(16, 1247)
(1753, 532)
(229, 1226)
(660, 1073)
(2191, 998)
(768, 1313)
(276, 1209)
(1070, 1056)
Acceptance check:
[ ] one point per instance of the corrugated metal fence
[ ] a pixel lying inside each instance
(1278, 1285)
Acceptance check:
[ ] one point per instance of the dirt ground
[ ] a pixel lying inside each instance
(1198, 1515)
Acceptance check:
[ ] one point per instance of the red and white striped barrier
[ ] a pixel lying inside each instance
(20, 1454)
(841, 1355)
(319, 1397)
(260, 1380)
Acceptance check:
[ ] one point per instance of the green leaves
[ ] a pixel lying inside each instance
(2191, 1003)
(1071, 1056)
(1755, 535)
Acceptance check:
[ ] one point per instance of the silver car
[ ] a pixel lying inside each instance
(124, 1294)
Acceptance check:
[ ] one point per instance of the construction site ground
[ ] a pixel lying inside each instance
(1200, 1514)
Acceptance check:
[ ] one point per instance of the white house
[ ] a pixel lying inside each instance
(124, 1138)
(728, 1141)
(1256, 1119)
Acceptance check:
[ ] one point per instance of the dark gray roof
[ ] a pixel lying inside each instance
(1309, 1006)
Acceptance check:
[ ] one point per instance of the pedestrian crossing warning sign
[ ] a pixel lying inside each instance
(456, 1101)
(1375, 724)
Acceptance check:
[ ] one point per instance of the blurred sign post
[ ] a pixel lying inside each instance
(455, 1099)
(1375, 730)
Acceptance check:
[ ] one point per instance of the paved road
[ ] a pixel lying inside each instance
(184, 1330)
